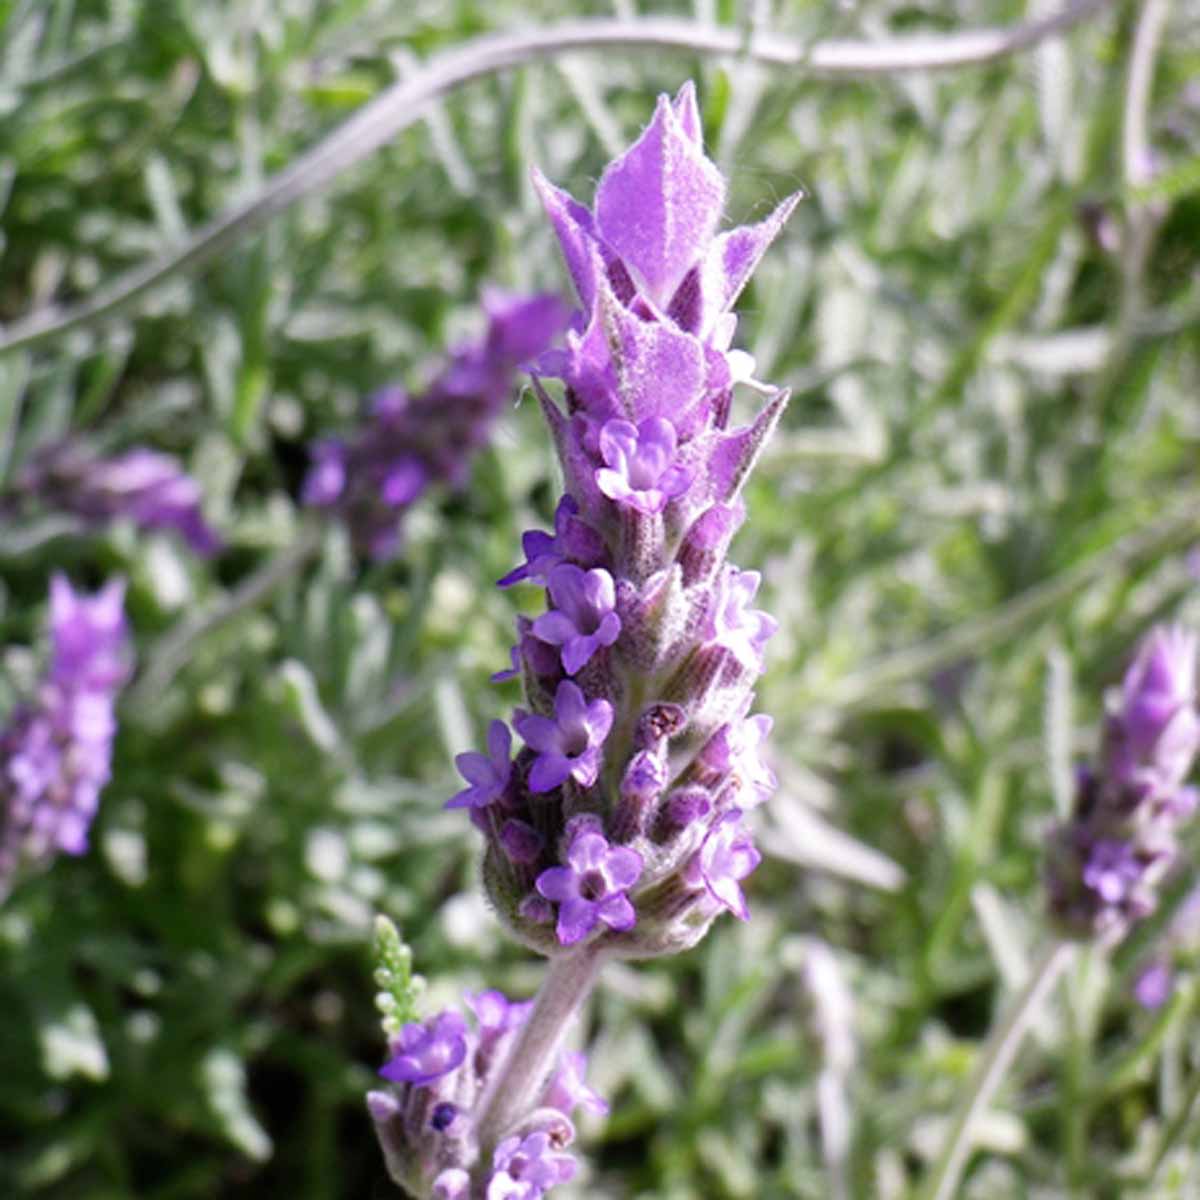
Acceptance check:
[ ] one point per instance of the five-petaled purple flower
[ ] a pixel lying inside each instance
(726, 857)
(425, 1051)
(487, 774)
(591, 889)
(583, 619)
(569, 745)
(641, 471)
(525, 1168)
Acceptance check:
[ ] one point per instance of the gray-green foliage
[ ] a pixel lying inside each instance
(987, 472)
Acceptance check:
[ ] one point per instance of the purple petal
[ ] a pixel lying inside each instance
(617, 912)
(548, 772)
(623, 866)
(658, 204)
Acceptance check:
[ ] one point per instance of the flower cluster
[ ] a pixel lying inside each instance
(621, 817)
(1108, 858)
(410, 442)
(56, 752)
(144, 486)
(440, 1072)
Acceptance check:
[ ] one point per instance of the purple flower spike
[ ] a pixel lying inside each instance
(527, 1168)
(425, 1052)
(568, 745)
(658, 205)
(583, 619)
(591, 889)
(727, 856)
(568, 1089)
(487, 774)
(149, 488)
(732, 623)
(641, 471)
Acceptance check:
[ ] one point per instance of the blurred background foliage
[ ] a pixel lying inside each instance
(984, 490)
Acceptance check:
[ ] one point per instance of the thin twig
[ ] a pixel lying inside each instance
(407, 101)
(1142, 217)
(996, 1057)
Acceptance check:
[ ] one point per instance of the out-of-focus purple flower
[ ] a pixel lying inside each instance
(525, 1168)
(1152, 988)
(725, 858)
(590, 889)
(56, 754)
(144, 486)
(583, 619)
(426, 1051)
(496, 1014)
(568, 1088)
(1112, 871)
(486, 774)
(411, 442)
(1154, 732)
(1106, 861)
(640, 470)
(569, 745)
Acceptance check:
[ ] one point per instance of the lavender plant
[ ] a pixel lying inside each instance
(1107, 860)
(56, 751)
(144, 486)
(617, 830)
(412, 441)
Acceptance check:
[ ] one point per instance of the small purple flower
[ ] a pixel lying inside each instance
(568, 745)
(568, 1089)
(326, 478)
(583, 619)
(426, 1051)
(726, 857)
(1152, 988)
(1112, 871)
(496, 1014)
(641, 471)
(525, 1168)
(591, 889)
(89, 635)
(732, 623)
(736, 749)
(487, 774)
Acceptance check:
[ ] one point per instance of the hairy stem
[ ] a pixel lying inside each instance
(408, 101)
(994, 1060)
(513, 1090)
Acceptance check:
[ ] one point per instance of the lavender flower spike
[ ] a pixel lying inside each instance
(1106, 861)
(56, 753)
(620, 831)
(409, 443)
(145, 486)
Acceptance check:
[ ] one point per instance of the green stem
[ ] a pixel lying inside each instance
(994, 1060)
(513, 1089)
